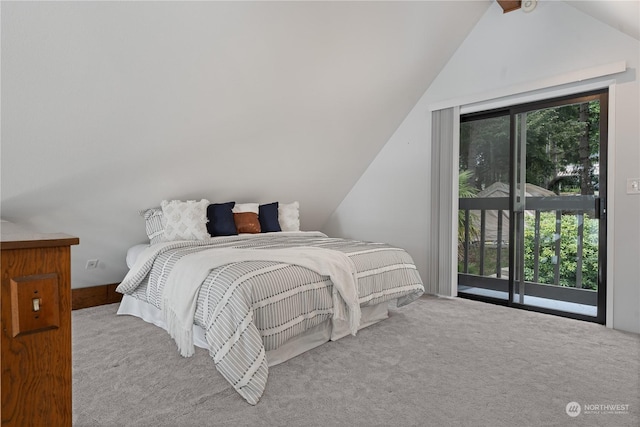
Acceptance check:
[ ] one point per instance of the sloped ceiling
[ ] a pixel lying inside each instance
(623, 15)
(111, 107)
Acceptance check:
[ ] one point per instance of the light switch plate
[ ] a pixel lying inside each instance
(633, 186)
(26, 315)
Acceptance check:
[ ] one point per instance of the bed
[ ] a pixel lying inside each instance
(256, 300)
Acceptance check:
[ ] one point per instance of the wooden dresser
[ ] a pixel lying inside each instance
(35, 347)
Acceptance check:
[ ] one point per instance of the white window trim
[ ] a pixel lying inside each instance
(566, 84)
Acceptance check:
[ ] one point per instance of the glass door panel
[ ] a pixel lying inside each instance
(483, 216)
(532, 206)
(556, 201)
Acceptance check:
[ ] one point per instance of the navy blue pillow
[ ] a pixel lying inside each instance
(268, 217)
(221, 221)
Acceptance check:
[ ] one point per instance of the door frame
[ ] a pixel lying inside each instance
(604, 292)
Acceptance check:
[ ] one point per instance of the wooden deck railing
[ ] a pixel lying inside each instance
(486, 226)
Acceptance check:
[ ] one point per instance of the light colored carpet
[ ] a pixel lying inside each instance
(436, 362)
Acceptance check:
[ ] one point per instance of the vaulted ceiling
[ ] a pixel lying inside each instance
(623, 15)
(110, 107)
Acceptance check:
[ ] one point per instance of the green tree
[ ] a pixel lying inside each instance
(568, 250)
(465, 190)
(563, 140)
(484, 150)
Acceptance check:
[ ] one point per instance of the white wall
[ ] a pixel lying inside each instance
(390, 202)
(111, 107)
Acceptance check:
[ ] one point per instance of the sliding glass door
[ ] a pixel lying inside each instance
(483, 216)
(533, 205)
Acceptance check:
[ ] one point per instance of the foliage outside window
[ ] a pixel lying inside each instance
(562, 156)
(568, 250)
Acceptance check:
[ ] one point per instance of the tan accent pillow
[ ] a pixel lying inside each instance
(247, 222)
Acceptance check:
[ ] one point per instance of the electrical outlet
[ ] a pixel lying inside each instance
(91, 264)
(633, 186)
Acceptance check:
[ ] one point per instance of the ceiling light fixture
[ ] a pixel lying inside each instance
(529, 5)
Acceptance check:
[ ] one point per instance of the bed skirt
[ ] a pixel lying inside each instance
(318, 335)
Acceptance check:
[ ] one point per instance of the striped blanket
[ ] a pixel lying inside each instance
(248, 307)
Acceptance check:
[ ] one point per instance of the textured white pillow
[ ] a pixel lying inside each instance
(185, 220)
(246, 207)
(289, 216)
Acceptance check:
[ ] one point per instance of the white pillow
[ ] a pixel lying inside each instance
(246, 207)
(154, 224)
(185, 220)
(289, 216)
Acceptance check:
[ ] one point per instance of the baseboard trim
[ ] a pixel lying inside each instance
(95, 295)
